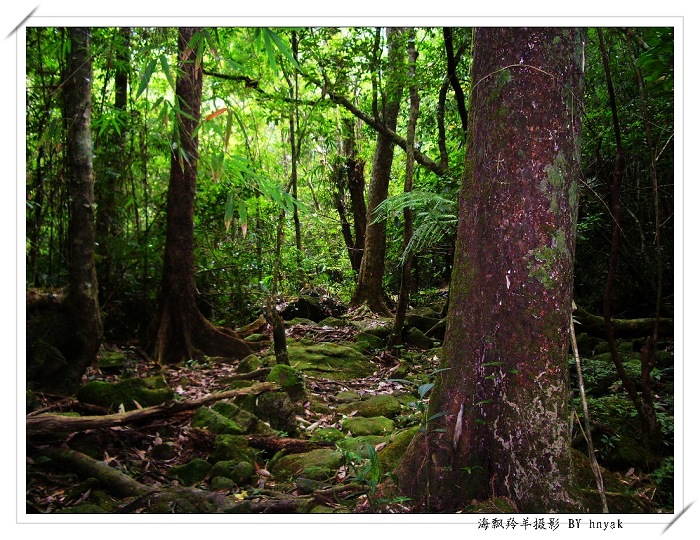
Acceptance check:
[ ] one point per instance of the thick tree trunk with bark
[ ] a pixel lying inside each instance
(369, 286)
(504, 397)
(82, 298)
(181, 331)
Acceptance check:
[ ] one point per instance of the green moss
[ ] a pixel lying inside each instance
(238, 471)
(377, 425)
(542, 266)
(290, 380)
(146, 392)
(191, 472)
(327, 435)
(317, 465)
(206, 418)
(330, 360)
(398, 444)
(381, 405)
(231, 448)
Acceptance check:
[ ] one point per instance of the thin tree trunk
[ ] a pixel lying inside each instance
(82, 298)
(369, 289)
(407, 266)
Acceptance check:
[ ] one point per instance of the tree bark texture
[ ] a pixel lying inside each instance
(369, 286)
(82, 298)
(504, 397)
(182, 332)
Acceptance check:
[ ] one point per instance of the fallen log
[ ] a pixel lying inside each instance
(594, 325)
(46, 424)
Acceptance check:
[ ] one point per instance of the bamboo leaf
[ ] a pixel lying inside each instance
(145, 77)
(243, 215)
(167, 71)
(228, 217)
(216, 113)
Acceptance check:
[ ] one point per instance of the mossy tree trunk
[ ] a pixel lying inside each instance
(82, 297)
(504, 398)
(180, 330)
(369, 289)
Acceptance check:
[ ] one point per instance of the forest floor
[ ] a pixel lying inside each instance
(174, 462)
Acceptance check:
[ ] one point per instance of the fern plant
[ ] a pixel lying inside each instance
(435, 218)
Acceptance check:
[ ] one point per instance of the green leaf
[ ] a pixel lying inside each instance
(165, 66)
(423, 389)
(228, 217)
(145, 77)
(436, 415)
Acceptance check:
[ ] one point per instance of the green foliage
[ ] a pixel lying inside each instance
(421, 405)
(435, 218)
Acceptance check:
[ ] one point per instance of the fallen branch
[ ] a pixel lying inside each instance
(47, 424)
(624, 328)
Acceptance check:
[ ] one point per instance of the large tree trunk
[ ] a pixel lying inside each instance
(181, 331)
(369, 286)
(505, 393)
(82, 298)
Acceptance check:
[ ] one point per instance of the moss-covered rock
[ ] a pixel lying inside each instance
(364, 341)
(239, 471)
(192, 472)
(290, 380)
(361, 445)
(358, 425)
(249, 363)
(327, 435)
(346, 396)
(380, 327)
(338, 362)
(221, 483)
(333, 322)
(112, 361)
(277, 409)
(246, 420)
(211, 420)
(163, 451)
(320, 464)
(396, 447)
(417, 338)
(380, 405)
(422, 318)
(232, 448)
(147, 392)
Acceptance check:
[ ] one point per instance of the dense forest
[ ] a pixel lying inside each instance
(349, 270)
